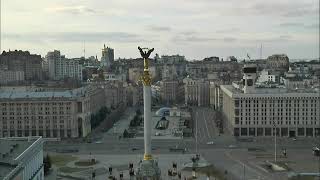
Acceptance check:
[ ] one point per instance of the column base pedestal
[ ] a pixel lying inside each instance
(148, 169)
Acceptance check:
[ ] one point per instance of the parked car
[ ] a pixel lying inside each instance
(210, 143)
(134, 148)
(316, 151)
(232, 146)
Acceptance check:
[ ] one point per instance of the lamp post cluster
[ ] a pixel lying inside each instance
(173, 172)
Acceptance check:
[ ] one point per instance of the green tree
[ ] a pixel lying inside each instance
(138, 112)
(125, 133)
(46, 164)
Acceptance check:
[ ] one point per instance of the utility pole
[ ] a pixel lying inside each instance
(275, 142)
(261, 51)
(244, 172)
(84, 50)
(0, 28)
(197, 133)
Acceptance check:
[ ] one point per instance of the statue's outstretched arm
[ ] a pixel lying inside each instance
(149, 52)
(141, 51)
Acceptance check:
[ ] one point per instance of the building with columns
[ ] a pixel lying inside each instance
(196, 91)
(11, 76)
(21, 158)
(59, 114)
(260, 111)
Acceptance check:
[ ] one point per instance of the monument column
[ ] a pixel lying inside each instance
(147, 112)
(148, 168)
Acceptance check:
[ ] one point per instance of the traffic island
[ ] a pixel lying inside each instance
(275, 166)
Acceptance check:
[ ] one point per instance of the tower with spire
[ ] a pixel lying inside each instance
(107, 57)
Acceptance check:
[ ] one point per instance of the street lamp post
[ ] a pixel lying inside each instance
(275, 142)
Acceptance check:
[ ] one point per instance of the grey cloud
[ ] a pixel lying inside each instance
(291, 24)
(285, 9)
(120, 37)
(73, 10)
(281, 38)
(230, 30)
(229, 39)
(292, 9)
(159, 28)
(194, 38)
(198, 39)
(188, 32)
(297, 24)
(313, 26)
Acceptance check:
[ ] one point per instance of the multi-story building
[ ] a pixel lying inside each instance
(115, 94)
(60, 67)
(18, 61)
(170, 91)
(196, 92)
(11, 76)
(278, 61)
(215, 94)
(176, 62)
(49, 114)
(21, 158)
(259, 111)
(269, 76)
(135, 73)
(107, 58)
(201, 69)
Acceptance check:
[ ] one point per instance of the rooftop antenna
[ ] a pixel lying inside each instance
(261, 51)
(84, 49)
(0, 28)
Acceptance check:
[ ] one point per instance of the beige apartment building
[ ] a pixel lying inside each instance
(196, 91)
(253, 111)
(48, 114)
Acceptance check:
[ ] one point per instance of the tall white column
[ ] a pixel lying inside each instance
(147, 122)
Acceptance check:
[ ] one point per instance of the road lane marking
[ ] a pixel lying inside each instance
(245, 165)
(206, 125)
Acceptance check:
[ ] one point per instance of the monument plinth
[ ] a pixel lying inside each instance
(148, 167)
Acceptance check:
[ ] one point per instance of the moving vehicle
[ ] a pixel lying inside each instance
(232, 146)
(316, 151)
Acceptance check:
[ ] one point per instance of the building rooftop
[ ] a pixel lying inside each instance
(11, 150)
(53, 94)
(269, 91)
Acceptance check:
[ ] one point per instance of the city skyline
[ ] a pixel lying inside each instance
(195, 29)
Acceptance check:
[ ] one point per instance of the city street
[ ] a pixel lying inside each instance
(233, 155)
(225, 153)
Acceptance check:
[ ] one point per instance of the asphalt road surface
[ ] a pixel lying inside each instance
(222, 152)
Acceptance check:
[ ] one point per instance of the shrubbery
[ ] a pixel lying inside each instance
(97, 118)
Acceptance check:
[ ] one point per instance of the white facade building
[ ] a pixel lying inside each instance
(196, 91)
(268, 76)
(252, 111)
(49, 114)
(60, 67)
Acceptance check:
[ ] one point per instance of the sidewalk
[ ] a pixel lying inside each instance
(123, 123)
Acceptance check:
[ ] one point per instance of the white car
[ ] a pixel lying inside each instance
(98, 142)
(232, 146)
(210, 143)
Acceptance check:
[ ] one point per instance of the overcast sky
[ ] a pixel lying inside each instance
(194, 28)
